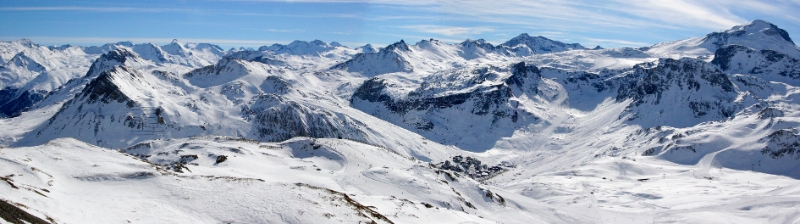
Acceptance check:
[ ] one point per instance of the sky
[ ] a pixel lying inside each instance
(254, 23)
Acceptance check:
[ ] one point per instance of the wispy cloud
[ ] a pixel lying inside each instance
(447, 30)
(669, 14)
(104, 40)
(96, 9)
(174, 10)
(276, 30)
(596, 41)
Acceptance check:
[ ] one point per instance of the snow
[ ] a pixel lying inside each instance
(692, 131)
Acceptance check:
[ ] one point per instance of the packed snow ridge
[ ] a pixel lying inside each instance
(532, 130)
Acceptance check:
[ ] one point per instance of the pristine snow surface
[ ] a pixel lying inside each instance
(702, 130)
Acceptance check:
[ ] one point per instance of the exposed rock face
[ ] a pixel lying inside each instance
(275, 118)
(110, 60)
(782, 143)
(103, 89)
(478, 100)
(671, 86)
(766, 64)
(17, 103)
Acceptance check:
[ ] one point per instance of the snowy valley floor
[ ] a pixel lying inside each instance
(331, 180)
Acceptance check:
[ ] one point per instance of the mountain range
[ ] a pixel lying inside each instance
(532, 130)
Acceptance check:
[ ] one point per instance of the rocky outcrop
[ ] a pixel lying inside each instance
(276, 118)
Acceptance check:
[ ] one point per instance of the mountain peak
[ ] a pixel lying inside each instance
(525, 44)
(756, 30)
(25, 42)
(104, 89)
(478, 41)
(400, 45)
(113, 58)
(119, 55)
(318, 43)
(764, 27)
(125, 43)
(368, 48)
(523, 35)
(174, 48)
(759, 35)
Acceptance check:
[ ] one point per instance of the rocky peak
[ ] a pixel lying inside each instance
(107, 61)
(119, 55)
(477, 44)
(400, 46)
(104, 89)
(521, 72)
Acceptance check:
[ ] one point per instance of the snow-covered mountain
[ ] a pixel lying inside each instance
(524, 45)
(29, 72)
(368, 48)
(759, 35)
(532, 130)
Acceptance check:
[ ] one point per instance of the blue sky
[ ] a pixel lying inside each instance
(252, 23)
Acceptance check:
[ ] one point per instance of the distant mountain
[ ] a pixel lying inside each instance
(30, 71)
(301, 47)
(525, 45)
(368, 48)
(389, 59)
